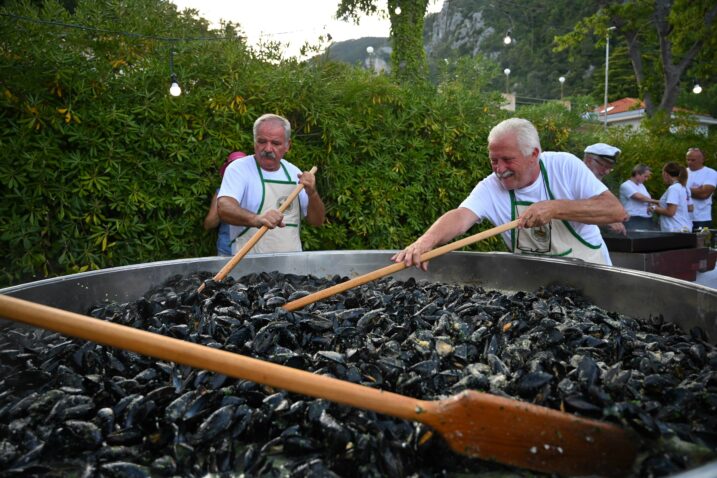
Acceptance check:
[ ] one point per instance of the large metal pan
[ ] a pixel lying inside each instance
(638, 294)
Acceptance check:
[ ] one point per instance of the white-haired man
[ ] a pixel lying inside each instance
(254, 187)
(556, 198)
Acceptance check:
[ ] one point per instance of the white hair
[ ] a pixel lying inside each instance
(525, 134)
(271, 117)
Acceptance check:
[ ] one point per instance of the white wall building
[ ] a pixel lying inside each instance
(631, 111)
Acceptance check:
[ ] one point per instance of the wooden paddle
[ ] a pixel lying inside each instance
(474, 424)
(255, 238)
(399, 266)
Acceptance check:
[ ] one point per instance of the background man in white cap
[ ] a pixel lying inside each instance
(600, 158)
(701, 181)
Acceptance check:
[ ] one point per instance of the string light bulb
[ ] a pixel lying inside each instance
(175, 90)
(507, 39)
(397, 11)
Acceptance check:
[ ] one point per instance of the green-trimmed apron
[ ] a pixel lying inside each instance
(279, 239)
(556, 239)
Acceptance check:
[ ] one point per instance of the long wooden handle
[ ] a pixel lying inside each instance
(207, 358)
(255, 238)
(475, 424)
(392, 269)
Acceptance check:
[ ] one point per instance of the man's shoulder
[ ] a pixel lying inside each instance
(705, 173)
(558, 155)
(559, 158)
(247, 162)
(702, 170)
(560, 161)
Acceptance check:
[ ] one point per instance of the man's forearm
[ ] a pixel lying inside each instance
(602, 209)
(231, 213)
(701, 192)
(316, 211)
(449, 225)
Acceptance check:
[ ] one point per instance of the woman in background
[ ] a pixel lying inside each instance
(636, 200)
(212, 218)
(673, 207)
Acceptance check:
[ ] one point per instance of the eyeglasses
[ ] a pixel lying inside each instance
(603, 163)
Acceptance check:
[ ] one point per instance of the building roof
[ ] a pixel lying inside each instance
(621, 106)
(627, 109)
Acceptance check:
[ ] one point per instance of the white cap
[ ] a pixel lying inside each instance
(604, 150)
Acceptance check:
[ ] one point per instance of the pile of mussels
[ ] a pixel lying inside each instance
(74, 407)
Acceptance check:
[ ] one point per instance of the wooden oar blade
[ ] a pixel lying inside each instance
(529, 436)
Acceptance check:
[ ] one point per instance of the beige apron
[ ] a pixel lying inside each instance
(279, 239)
(557, 239)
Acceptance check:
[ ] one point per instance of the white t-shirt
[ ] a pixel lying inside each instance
(568, 177)
(676, 194)
(703, 207)
(242, 182)
(633, 206)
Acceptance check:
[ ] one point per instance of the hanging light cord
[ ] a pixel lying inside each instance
(116, 32)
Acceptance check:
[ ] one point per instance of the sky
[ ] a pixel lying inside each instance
(291, 21)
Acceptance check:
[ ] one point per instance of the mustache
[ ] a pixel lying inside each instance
(504, 174)
(268, 154)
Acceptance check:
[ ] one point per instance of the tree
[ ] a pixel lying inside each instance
(408, 59)
(665, 39)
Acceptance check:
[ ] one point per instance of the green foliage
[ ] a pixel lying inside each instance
(408, 59)
(104, 168)
(664, 42)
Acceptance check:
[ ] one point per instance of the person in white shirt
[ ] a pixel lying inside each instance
(600, 158)
(701, 182)
(254, 187)
(673, 208)
(636, 200)
(212, 221)
(555, 197)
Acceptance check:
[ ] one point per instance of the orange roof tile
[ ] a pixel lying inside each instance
(620, 106)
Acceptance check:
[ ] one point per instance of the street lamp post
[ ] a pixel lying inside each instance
(607, 63)
(562, 81)
(507, 84)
